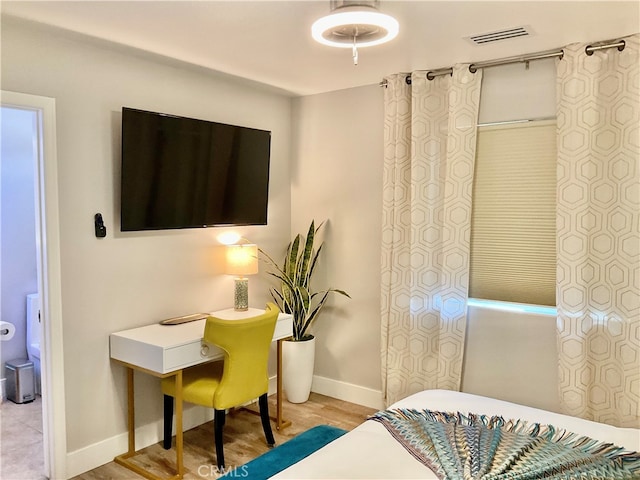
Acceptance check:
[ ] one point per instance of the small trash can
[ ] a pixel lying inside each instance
(20, 380)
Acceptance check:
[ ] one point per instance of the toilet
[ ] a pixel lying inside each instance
(33, 335)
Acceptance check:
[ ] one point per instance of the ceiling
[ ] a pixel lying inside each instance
(269, 41)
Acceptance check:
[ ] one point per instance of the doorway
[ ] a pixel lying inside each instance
(47, 240)
(22, 439)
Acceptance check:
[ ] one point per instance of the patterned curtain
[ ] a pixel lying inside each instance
(430, 141)
(598, 222)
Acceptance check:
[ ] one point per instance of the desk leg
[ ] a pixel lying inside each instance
(131, 413)
(280, 423)
(125, 458)
(179, 436)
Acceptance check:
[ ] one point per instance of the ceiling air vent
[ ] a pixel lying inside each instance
(506, 34)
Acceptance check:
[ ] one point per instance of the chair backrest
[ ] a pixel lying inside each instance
(246, 344)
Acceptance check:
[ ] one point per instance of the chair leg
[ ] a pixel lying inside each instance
(168, 421)
(266, 423)
(218, 425)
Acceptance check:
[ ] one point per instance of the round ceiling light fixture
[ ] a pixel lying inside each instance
(354, 24)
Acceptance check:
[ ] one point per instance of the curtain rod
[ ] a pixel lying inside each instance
(473, 68)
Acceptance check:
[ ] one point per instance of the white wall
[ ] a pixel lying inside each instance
(512, 356)
(132, 279)
(337, 174)
(19, 271)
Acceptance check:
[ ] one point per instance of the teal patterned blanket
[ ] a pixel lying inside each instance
(465, 447)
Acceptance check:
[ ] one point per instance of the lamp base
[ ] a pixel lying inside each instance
(241, 295)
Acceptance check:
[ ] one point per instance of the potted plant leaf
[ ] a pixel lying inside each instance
(296, 297)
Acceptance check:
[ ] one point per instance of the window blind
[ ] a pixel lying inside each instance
(513, 226)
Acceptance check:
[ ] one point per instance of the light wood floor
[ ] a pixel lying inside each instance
(243, 439)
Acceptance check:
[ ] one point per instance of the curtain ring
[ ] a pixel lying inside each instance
(430, 76)
(472, 68)
(407, 79)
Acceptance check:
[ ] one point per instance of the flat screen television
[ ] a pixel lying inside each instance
(181, 172)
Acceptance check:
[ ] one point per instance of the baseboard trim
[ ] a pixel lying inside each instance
(92, 456)
(347, 392)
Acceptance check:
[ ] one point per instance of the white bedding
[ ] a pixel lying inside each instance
(370, 452)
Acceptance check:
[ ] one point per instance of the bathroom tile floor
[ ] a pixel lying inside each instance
(21, 447)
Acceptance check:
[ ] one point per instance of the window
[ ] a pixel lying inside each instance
(513, 226)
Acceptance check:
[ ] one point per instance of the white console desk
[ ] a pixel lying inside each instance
(164, 351)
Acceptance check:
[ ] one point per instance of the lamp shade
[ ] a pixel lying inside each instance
(242, 259)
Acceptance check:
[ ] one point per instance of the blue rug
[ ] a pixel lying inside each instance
(281, 457)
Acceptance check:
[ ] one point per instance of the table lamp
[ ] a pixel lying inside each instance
(242, 260)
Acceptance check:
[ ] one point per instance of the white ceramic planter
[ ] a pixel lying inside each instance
(297, 369)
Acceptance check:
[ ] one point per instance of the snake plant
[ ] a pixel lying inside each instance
(294, 295)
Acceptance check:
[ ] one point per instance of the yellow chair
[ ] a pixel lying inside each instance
(242, 377)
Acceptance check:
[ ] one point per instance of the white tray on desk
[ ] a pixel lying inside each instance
(166, 348)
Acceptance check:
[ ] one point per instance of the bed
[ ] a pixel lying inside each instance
(370, 451)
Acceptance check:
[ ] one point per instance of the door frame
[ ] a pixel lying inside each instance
(49, 279)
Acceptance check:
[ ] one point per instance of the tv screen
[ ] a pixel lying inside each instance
(184, 173)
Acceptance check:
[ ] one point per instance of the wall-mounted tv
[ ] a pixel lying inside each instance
(181, 172)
